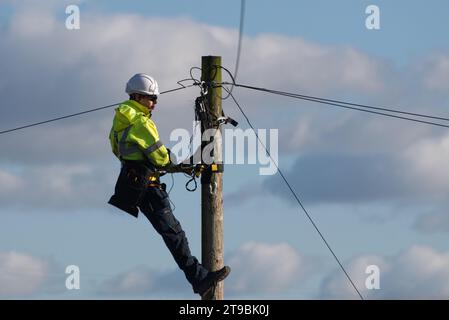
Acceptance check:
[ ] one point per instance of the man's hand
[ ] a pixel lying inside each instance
(192, 169)
(199, 168)
(170, 168)
(173, 168)
(186, 168)
(189, 169)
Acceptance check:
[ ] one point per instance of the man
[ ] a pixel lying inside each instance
(135, 141)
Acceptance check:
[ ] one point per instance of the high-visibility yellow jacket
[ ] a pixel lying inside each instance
(134, 135)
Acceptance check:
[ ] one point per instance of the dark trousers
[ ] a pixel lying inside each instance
(155, 205)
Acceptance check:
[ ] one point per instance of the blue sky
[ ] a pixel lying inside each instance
(322, 21)
(377, 187)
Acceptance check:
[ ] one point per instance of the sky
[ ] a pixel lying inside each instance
(376, 187)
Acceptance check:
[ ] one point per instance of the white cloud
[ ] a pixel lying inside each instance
(433, 222)
(341, 178)
(21, 274)
(9, 183)
(58, 187)
(308, 66)
(134, 282)
(384, 170)
(256, 268)
(69, 141)
(146, 282)
(427, 161)
(92, 64)
(264, 268)
(419, 272)
(436, 73)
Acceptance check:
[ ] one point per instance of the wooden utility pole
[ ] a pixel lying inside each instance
(212, 181)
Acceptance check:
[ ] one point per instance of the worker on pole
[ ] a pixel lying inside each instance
(144, 158)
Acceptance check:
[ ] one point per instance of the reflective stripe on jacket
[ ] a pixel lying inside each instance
(134, 135)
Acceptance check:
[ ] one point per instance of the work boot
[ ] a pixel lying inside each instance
(211, 280)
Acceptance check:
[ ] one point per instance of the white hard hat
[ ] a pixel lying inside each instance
(142, 83)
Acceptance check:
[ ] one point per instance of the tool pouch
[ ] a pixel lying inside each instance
(130, 186)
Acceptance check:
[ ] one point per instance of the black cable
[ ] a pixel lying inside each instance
(172, 183)
(296, 197)
(182, 87)
(192, 179)
(343, 102)
(59, 118)
(191, 74)
(368, 111)
(221, 84)
(169, 190)
(84, 112)
(347, 105)
(239, 47)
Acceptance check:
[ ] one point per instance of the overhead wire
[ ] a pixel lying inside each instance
(352, 106)
(88, 111)
(239, 45)
(295, 195)
(58, 118)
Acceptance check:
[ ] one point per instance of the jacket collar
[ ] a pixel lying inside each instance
(134, 104)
